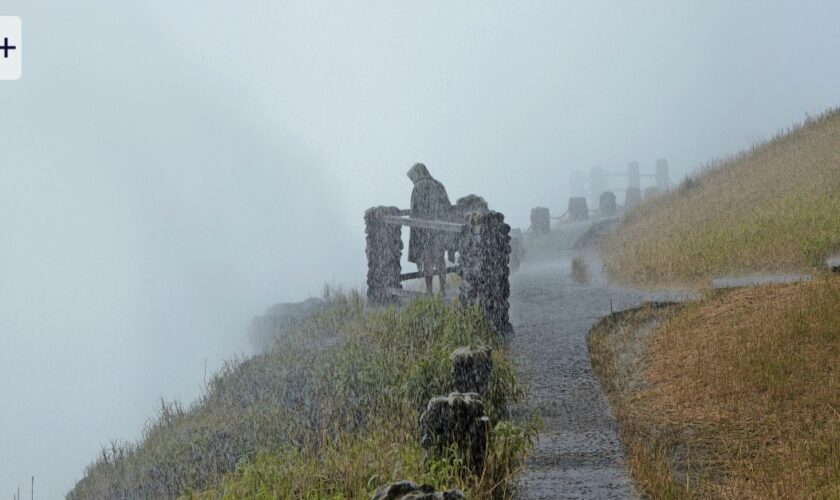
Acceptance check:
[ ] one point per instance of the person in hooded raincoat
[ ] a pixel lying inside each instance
(426, 247)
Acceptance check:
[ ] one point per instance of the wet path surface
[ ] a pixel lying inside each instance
(579, 454)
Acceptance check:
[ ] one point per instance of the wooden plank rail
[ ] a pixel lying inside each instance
(421, 274)
(401, 292)
(451, 227)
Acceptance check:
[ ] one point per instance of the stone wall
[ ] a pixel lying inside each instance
(383, 247)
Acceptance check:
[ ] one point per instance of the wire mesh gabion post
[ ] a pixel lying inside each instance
(383, 247)
(540, 220)
(606, 204)
(578, 209)
(484, 249)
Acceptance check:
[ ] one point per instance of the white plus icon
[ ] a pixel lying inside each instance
(10, 48)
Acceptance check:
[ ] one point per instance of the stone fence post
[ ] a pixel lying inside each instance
(540, 220)
(471, 369)
(606, 204)
(383, 247)
(484, 248)
(578, 209)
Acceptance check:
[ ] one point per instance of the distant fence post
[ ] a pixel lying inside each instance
(540, 220)
(578, 209)
(383, 249)
(606, 204)
(484, 249)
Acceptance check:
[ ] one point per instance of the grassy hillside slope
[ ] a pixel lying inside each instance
(775, 207)
(332, 411)
(735, 396)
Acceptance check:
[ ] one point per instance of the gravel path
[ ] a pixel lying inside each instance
(579, 454)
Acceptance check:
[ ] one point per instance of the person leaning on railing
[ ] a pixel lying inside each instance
(426, 247)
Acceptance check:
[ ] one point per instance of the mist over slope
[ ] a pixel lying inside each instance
(147, 213)
(773, 207)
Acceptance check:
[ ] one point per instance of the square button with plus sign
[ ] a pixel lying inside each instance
(10, 48)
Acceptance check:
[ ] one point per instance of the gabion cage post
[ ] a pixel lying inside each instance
(578, 209)
(383, 247)
(540, 220)
(485, 251)
(606, 204)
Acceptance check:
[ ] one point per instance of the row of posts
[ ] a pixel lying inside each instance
(578, 209)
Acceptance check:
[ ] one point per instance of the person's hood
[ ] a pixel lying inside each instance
(419, 172)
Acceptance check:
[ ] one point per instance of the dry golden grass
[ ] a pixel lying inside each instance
(736, 396)
(775, 207)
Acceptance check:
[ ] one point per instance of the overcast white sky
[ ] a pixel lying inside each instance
(168, 169)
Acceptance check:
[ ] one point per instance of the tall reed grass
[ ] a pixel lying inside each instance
(772, 208)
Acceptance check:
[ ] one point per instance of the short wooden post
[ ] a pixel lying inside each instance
(383, 249)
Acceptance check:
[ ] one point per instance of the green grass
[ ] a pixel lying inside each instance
(331, 411)
(772, 208)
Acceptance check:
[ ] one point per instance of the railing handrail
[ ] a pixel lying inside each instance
(452, 227)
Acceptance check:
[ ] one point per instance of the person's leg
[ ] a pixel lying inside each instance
(428, 271)
(441, 263)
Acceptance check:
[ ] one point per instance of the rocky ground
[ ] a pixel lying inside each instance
(579, 454)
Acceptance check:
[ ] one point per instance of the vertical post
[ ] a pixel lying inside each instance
(578, 209)
(540, 220)
(633, 180)
(485, 251)
(383, 247)
(663, 181)
(606, 204)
